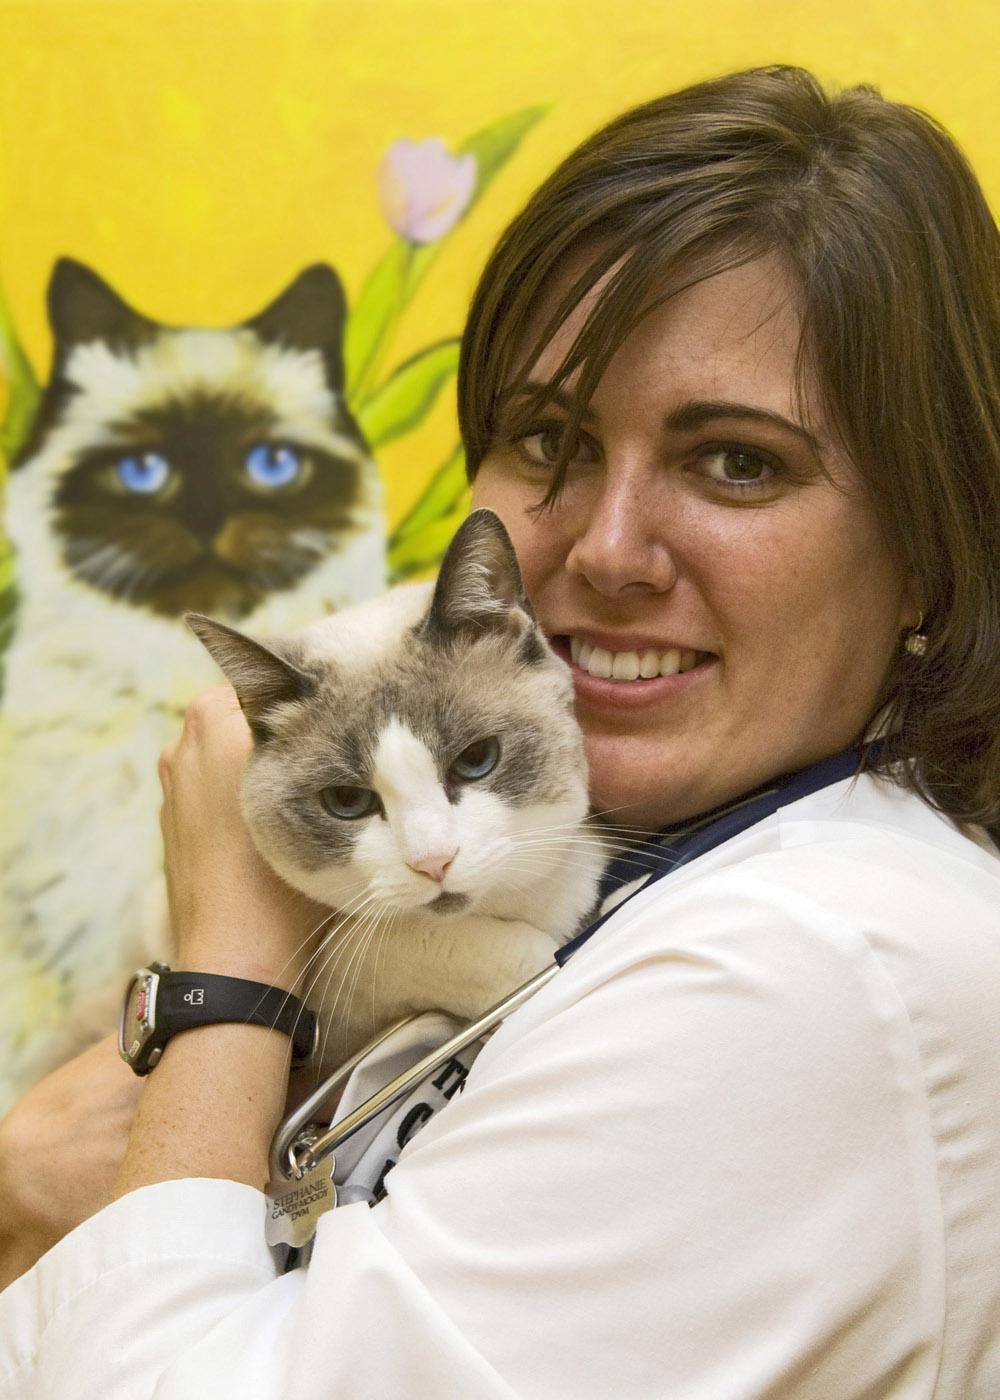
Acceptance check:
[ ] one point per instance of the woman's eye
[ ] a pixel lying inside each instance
(477, 760)
(739, 468)
(145, 473)
(542, 447)
(273, 465)
(349, 803)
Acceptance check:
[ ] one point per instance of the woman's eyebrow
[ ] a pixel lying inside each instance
(697, 412)
(694, 414)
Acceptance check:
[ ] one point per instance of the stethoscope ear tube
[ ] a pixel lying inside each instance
(300, 1144)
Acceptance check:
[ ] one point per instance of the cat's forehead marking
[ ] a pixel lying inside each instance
(404, 770)
(290, 385)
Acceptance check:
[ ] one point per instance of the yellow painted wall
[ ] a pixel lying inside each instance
(198, 153)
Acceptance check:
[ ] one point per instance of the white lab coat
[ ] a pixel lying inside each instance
(746, 1144)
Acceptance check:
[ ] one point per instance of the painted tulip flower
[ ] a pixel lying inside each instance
(424, 188)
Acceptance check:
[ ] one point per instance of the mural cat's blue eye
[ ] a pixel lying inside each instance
(273, 464)
(144, 472)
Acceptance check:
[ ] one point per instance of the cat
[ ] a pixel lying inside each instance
(169, 469)
(417, 767)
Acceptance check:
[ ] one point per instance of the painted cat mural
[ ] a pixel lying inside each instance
(217, 470)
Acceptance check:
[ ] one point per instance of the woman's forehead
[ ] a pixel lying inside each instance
(735, 335)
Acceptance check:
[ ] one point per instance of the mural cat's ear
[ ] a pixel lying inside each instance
(308, 315)
(83, 307)
(261, 678)
(479, 588)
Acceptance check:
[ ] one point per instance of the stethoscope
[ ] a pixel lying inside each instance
(301, 1142)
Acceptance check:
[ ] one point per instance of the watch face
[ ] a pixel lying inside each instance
(138, 1018)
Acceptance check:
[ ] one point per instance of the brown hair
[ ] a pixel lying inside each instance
(882, 221)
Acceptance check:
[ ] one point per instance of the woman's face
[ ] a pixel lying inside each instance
(712, 568)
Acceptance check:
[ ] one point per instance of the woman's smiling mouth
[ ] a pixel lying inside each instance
(638, 676)
(642, 664)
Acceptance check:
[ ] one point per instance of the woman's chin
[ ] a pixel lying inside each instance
(635, 781)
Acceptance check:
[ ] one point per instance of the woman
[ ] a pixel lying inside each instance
(731, 383)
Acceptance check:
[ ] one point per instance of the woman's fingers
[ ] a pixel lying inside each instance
(230, 911)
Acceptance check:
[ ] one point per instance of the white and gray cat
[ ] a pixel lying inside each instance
(417, 767)
(170, 469)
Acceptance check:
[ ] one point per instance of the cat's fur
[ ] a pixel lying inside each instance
(384, 698)
(101, 666)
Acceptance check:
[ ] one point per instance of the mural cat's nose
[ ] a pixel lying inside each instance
(435, 864)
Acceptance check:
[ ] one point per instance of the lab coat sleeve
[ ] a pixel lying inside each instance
(696, 1167)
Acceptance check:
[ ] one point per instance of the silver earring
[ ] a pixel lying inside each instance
(916, 642)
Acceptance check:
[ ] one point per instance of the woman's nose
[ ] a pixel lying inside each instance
(621, 543)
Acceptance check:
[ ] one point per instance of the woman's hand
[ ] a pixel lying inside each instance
(230, 912)
(213, 1101)
(61, 1147)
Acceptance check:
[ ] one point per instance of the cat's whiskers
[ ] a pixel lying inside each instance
(309, 539)
(292, 958)
(334, 948)
(382, 933)
(336, 914)
(344, 949)
(350, 976)
(584, 843)
(596, 826)
(105, 566)
(621, 858)
(598, 843)
(545, 867)
(330, 947)
(379, 966)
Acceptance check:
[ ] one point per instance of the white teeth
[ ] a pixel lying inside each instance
(625, 666)
(600, 663)
(630, 665)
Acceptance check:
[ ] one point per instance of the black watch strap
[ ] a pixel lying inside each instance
(188, 999)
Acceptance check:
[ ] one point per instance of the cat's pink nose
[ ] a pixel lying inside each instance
(435, 864)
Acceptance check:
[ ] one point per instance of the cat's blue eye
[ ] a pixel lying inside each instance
(143, 472)
(477, 760)
(349, 803)
(273, 465)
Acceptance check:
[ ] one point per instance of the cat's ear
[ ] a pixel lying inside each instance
(479, 588)
(83, 307)
(308, 315)
(261, 678)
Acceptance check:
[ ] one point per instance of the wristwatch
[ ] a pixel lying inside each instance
(160, 1003)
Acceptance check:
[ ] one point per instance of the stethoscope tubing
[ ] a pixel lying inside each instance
(298, 1147)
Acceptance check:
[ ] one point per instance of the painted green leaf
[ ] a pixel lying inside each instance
(376, 312)
(23, 390)
(394, 280)
(406, 398)
(445, 491)
(424, 548)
